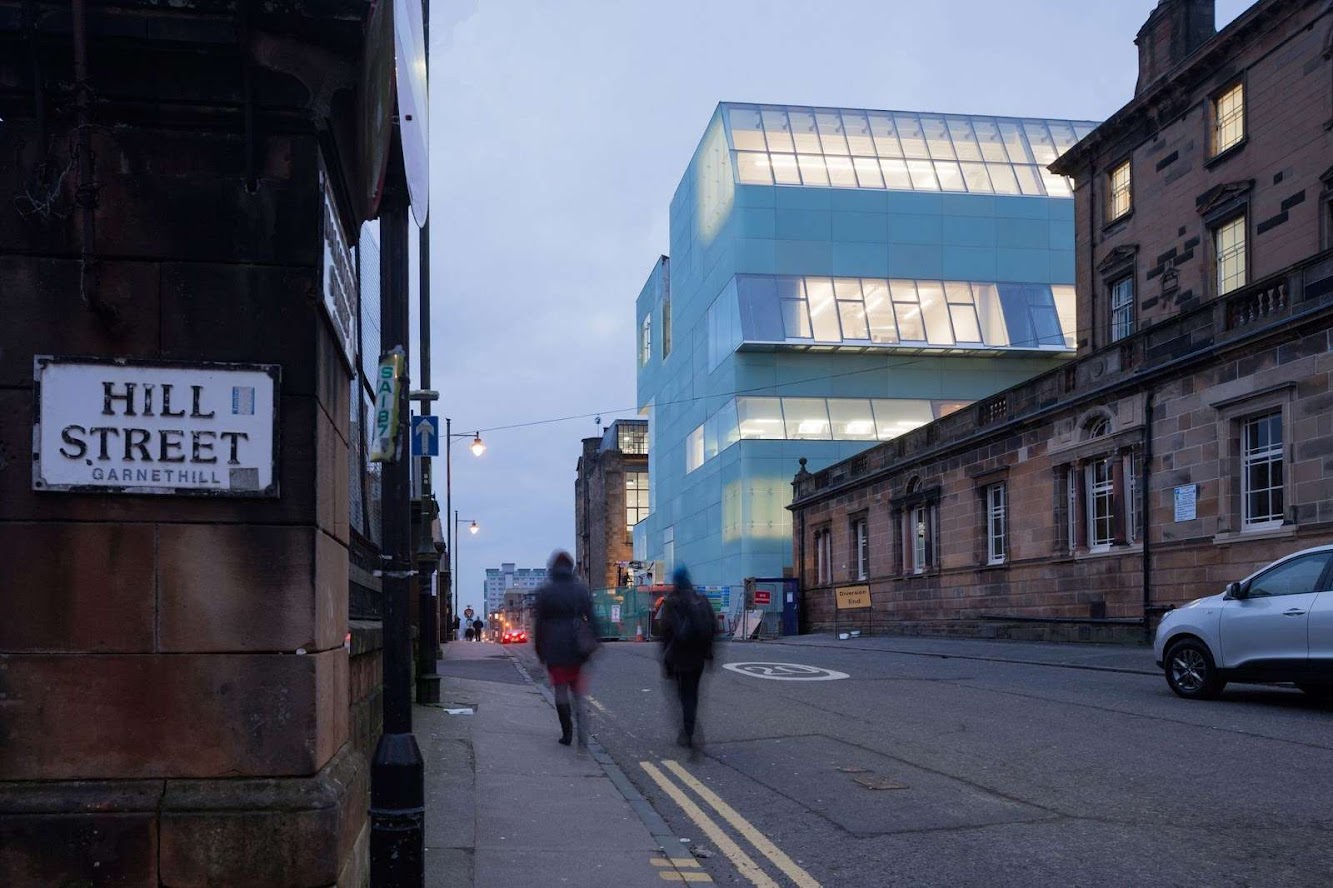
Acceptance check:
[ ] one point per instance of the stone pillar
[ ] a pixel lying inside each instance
(173, 675)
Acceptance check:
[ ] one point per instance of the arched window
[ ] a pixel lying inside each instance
(1097, 427)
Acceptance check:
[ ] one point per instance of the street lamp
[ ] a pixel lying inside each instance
(478, 448)
(453, 576)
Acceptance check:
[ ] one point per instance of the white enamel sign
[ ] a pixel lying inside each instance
(108, 426)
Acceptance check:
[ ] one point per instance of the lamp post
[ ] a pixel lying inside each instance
(478, 448)
(453, 576)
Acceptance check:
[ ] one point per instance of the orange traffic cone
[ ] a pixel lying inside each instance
(638, 632)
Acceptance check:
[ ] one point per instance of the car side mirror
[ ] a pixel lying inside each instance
(1235, 590)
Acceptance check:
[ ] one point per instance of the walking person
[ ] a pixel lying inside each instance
(564, 638)
(476, 629)
(687, 630)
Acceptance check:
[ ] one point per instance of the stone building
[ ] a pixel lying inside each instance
(610, 496)
(183, 699)
(1191, 439)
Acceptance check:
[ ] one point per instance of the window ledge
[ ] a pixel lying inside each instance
(1226, 538)
(1118, 222)
(1130, 549)
(993, 565)
(1226, 155)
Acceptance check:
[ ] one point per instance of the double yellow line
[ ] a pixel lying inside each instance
(728, 846)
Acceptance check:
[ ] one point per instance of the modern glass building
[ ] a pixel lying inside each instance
(837, 277)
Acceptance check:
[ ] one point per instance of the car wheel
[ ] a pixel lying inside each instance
(1190, 670)
(1318, 691)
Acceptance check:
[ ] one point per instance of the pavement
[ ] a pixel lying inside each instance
(507, 805)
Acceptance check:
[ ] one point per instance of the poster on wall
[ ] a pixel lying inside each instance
(105, 425)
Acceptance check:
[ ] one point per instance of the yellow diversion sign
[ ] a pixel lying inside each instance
(849, 597)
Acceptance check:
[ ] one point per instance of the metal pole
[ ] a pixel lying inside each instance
(397, 795)
(454, 579)
(449, 510)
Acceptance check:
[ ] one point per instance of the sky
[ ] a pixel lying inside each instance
(559, 132)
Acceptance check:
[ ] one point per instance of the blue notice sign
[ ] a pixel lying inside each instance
(425, 436)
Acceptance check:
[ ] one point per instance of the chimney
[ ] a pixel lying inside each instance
(1174, 30)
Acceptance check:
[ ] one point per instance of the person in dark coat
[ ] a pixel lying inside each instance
(477, 624)
(683, 661)
(564, 637)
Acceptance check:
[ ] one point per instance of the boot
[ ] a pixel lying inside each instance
(566, 723)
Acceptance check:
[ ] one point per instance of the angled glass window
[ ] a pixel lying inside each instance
(950, 175)
(823, 313)
(896, 176)
(805, 131)
(923, 175)
(840, 171)
(1029, 179)
(879, 311)
(694, 450)
(728, 432)
(936, 312)
(1014, 142)
(778, 131)
(885, 135)
(963, 312)
(830, 132)
(753, 168)
(910, 135)
(859, 138)
(1039, 138)
(806, 419)
(938, 143)
(1002, 178)
(867, 172)
(759, 417)
(992, 144)
(852, 419)
(747, 129)
(976, 177)
(813, 171)
(964, 140)
(911, 326)
(990, 312)
(1062, 134)
(785, 170)
(894, 417)
(1066, 309)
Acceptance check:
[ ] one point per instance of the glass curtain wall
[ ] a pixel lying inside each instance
(899, 150)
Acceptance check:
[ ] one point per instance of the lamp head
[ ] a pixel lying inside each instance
(473, 528)
(478, 447)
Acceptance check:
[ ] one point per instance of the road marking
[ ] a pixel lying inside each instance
(672, 869)
(744, 827)
(785, 671)
(739, 859)
(596, 704)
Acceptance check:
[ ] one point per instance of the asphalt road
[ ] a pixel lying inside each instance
(976, 770)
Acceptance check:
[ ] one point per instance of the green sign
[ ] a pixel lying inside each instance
(388, 384)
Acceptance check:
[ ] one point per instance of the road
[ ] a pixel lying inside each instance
(975, 769)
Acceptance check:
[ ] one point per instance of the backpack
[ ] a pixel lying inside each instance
(692, 623)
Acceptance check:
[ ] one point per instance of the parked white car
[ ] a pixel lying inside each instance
(1275, 625)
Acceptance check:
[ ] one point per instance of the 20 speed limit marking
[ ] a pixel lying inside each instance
(786, 671)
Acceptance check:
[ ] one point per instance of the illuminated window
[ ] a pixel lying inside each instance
(636, 498)
(666, 324)
(1120, 200)
(1261, 471)
(1228, 118)
(1122, 308)
(632, 438)
(646, 341)
(1229, 253)
(694, 450)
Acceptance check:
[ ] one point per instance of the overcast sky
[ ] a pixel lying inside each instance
(559, 133)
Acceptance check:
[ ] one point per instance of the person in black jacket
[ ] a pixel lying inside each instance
(564, 638)
(686, 648)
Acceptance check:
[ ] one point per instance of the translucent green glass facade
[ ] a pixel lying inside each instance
(837, 277)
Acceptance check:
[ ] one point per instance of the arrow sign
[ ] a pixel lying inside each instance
(425, 436)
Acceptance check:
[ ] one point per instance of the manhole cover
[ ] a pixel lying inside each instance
(878, 781)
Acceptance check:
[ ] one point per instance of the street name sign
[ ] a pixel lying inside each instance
(147, 427)
(425, 436)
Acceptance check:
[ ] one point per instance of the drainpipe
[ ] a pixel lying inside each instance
(1145, 476)
(85, 194)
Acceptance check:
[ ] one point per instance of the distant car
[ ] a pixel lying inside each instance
(1276, 625)
(513, 636)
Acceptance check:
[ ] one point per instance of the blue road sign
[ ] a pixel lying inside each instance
(425, 436)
